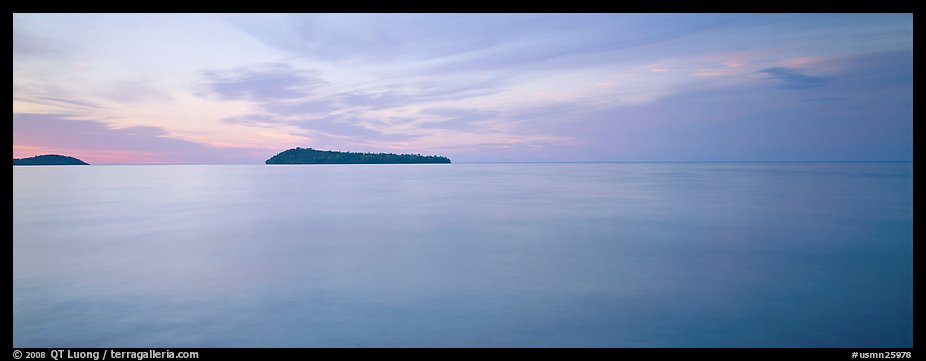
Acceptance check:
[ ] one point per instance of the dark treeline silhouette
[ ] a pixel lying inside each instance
(49, 159)
(312, 156)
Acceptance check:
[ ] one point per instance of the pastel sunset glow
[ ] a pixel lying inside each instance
(239, 88)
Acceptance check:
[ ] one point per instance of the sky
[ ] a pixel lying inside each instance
(239, 88)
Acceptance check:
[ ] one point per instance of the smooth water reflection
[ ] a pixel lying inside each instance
(613, 255)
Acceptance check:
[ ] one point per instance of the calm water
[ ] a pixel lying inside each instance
(615, 255)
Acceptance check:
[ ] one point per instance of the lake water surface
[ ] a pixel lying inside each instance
(464, 255)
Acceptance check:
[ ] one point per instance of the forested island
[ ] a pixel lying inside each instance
(49, 159)
(312, 156)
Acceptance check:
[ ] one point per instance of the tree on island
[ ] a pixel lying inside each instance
(311, 156)
(49, 159)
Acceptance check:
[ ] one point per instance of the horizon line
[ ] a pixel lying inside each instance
(550, 162)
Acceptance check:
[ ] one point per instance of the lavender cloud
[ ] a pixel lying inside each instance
(266, 82)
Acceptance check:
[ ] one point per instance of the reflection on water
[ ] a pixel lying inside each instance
(613, 255)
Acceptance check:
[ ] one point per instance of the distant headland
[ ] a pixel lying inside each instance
(49, 159)
(312, 156)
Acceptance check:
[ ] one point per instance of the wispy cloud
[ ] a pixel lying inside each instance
(416, 92)
(793, 78)
(346, 128)
(456, 118)
(265, 82)
(253, 120)
(299, 107)
(69, 102)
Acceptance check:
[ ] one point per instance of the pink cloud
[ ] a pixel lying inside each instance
(97, 143)
(714, 72)
(802, 62)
